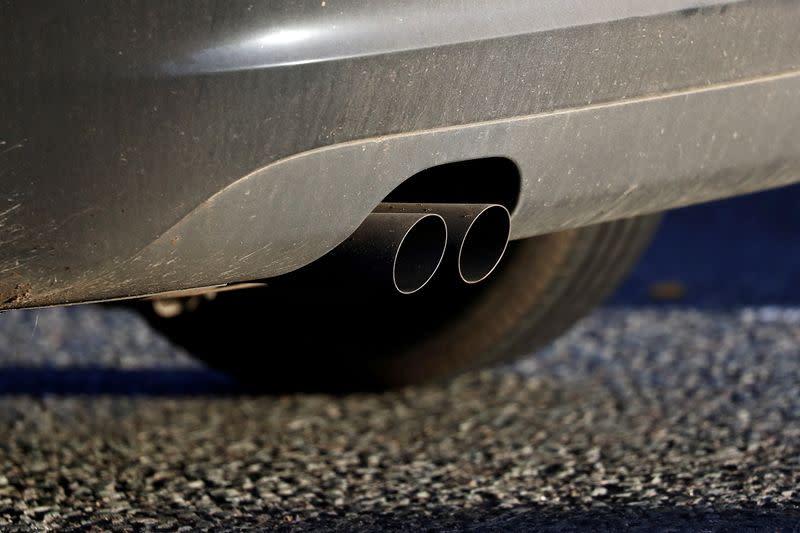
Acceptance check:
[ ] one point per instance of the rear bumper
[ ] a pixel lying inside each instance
(159, 147)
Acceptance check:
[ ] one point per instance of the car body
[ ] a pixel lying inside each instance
(151, 146)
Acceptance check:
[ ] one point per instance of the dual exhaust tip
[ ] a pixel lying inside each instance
(406, 244)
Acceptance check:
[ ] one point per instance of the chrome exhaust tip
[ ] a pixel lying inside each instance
(484, 243)
(419, 253)
(395, 251)
(477, 234)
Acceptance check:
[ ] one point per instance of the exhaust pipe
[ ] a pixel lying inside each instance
(399, 250)
(478, 234)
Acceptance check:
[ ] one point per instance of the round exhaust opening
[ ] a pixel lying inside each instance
(484, 244)
(420, 253)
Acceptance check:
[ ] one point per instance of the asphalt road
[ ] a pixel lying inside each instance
(649, 415)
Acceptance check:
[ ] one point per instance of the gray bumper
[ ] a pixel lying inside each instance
(164, 146)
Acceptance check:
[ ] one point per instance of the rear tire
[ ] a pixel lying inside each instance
(358, 341)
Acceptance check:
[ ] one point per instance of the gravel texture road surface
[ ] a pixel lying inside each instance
(647, 416)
